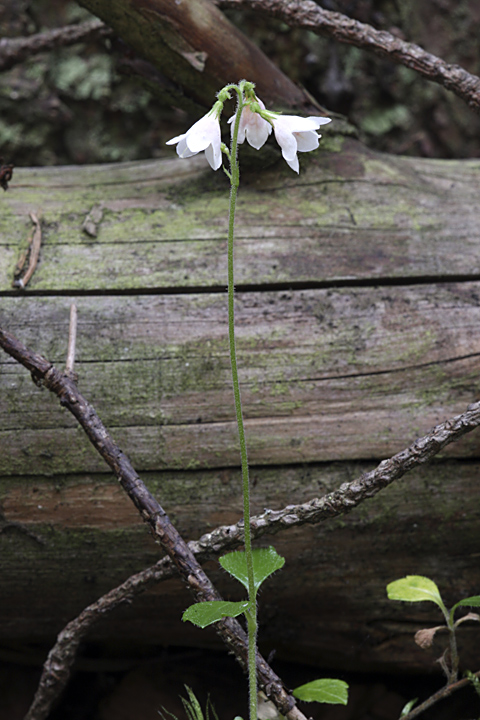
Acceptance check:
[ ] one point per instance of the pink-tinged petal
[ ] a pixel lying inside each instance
(257, 131)
(252, 127)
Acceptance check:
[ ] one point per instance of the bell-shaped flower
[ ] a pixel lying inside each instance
(252, 126)
(203, 135)
(297, 134)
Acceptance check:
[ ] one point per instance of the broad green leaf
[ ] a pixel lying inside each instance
(206, 613)
(265, 562)
(406, 708)
(323, 691)
(415, 588)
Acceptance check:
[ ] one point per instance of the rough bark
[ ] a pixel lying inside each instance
(357, 311)
(198, 49)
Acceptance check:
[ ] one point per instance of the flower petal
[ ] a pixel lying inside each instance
(205, 132)
(213, 154)
(285, 137)
(182, 149)
(252, 127)
(307, 141)
(295, 134)
(175, 139)
(203, 135)
(294, 164)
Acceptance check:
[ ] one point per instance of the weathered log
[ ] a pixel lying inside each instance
(357, 310)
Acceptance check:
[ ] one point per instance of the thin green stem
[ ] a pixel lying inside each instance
(452, 671)
(251, 614)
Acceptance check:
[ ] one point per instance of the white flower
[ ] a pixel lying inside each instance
(297, 134)
(293, 134)
(252, 127)
(203, 135)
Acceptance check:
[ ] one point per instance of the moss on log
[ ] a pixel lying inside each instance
(357, 310)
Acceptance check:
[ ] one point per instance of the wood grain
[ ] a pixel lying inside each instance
(326, 375)
(358, 313)
(351, 216)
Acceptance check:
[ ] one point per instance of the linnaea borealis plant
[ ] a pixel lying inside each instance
(253, 123)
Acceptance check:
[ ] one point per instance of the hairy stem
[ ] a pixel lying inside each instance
(252, 611)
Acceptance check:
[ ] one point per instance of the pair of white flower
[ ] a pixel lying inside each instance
(293, 134)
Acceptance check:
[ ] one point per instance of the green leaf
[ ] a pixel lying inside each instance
(265, 562)
(206, 613)
(323, 691)
(192, 707)
(406, 708)
(415, 588)
(473, 601)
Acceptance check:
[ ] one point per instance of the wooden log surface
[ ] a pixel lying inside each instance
(357, 313)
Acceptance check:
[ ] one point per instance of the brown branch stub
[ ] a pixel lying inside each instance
(28, 261)
(6, 173)
(308, 15)
(72, 343)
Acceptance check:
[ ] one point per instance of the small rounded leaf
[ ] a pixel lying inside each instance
(206, 613)
(265, 562)
(415, 588)
(324, 690)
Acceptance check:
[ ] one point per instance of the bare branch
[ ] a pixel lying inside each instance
(16, 50)
(440, 695)
(152, 513)
(308, 15)
(58, 665)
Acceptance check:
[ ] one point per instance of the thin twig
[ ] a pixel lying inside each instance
(58, 665)
(72, 342)
(440, 695)
(33, 253)
(16, 50)
(307, 14)
(152, 513)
